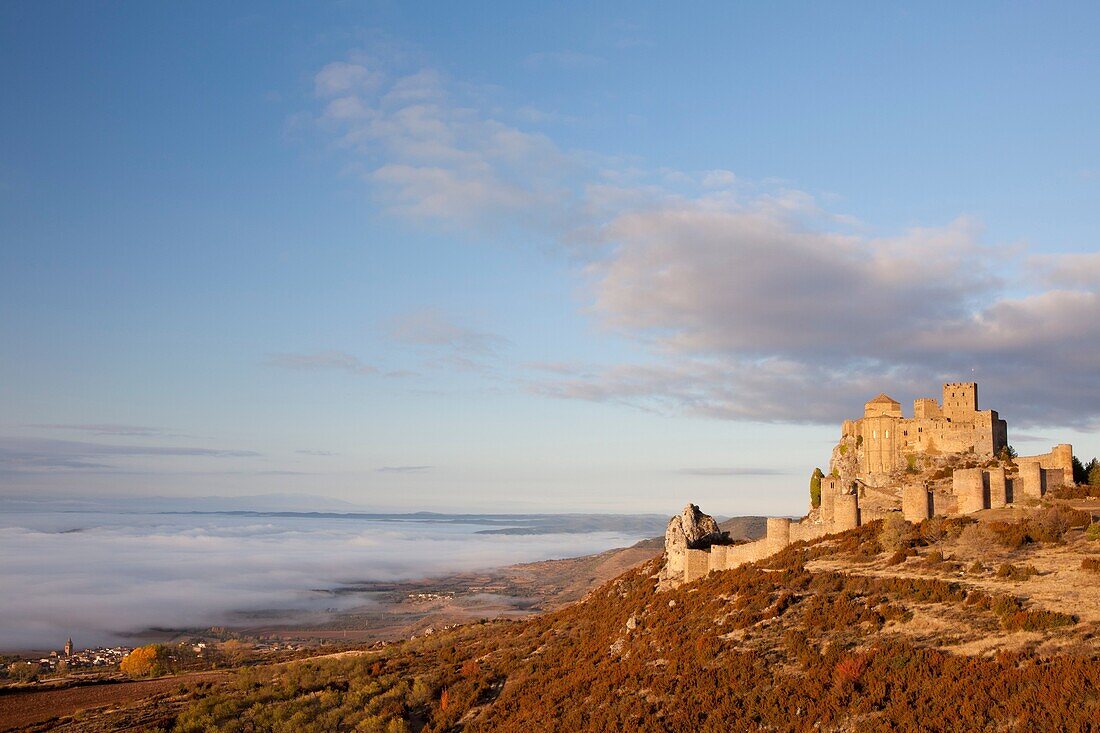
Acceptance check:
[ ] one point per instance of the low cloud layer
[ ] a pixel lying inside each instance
(730, 471)
(20, 454)
(404, 469)
(99, 576)
(137, 431)
(335, 360)
(754, 301)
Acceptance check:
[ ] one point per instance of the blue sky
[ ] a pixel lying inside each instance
(533, 257)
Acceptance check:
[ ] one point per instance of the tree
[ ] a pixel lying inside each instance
(1080, 473)
(1094, 473)
(1007, 453)
(815, 488)
(142, 661)
(24, 671)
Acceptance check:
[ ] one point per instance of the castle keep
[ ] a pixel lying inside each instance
(955, 426)
(949, 458)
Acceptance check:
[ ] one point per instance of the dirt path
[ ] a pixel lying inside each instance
(22, 709)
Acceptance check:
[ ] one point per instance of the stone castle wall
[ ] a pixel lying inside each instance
(974, 489)
(887, 437)
(879, 444)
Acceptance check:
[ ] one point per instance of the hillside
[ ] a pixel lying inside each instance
(948, 625)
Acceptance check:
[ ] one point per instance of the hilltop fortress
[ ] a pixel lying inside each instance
(957, 426)
(949, 458)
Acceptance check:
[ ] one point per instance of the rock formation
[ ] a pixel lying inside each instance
(689, 530)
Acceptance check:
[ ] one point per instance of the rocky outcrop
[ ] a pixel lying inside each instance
(689, 530)
(692, 529)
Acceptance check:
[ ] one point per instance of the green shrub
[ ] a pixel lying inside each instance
(815, 488)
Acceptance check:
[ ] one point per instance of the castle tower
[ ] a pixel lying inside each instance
(880, 434)
(960, 399)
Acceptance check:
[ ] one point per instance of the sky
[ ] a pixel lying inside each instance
(533, 257)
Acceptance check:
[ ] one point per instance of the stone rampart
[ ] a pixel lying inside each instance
(1030, 482)
(804, 531)
(973, 489)
(696, 564)
(1059, 457)
(717, 558)
(968, 486)
(845, 512)
(996, 487)
(915, 504)
(779, 534)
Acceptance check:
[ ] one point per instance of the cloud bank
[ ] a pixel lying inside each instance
(97, 577)
(753, 300)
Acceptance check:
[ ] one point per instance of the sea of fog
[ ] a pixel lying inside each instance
(100, 576)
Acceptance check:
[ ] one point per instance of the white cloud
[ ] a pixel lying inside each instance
(341, 77)
(1080, 271)
(337, 360)
(755, 300)
(433, 327)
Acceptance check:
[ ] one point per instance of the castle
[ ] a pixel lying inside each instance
(956, 426)
(947, 459)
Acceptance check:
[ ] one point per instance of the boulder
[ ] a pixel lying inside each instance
(689, 530)
(692, 529)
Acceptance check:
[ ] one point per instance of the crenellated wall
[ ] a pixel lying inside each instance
(1059, 457)
(781, 533)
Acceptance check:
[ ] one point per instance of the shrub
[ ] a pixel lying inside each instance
(1051, 524)
(896, 533)
(977, 538)
(1008, 571)
(977, 568)
(1093, 532)
(848, 671)
(1091, 564)
(1074, 491)
(932, 530)
(900, 556)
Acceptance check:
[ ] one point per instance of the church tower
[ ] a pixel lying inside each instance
(69, 647)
